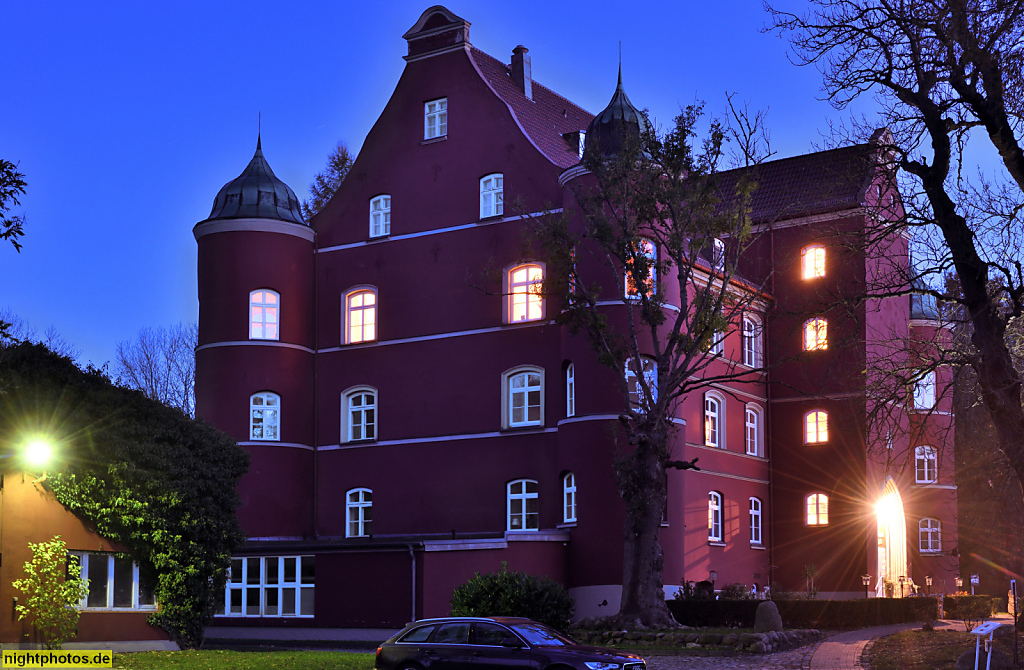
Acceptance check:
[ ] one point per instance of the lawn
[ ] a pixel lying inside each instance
(220, 659)
(920, 650)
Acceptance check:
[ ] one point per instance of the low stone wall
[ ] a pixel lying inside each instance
(758, 643)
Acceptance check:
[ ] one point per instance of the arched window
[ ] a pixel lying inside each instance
(751, 337)
(930, 533)
(570, 391)
(265, 417)
(525, 299)
(522, 505)
(926, 465)
(380, 216)
(569, 498)
(492, 196)
(816, 427)
(924, 391)
(714, 516)
(361, 316)
(523, 391)
(812, 261)
(641, 265)
(263, 314)
(649, 372)
(753, 430)
(815, 334)
(755, 521)
(714, 420)
(359, 415)
(359, 513)
(817, 509)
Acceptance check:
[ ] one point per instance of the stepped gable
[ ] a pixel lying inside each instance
(545, 118)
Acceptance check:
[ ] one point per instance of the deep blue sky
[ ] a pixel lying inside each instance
(128, 117)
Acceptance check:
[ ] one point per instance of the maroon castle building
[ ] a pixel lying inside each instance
(408, 429)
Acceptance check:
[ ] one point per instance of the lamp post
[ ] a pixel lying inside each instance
(928, 583)
(903, 580)
(959, 581)
(866, 581)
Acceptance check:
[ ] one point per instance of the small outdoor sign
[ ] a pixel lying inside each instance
(975, 579)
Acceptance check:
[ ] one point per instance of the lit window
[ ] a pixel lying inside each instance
(361, 316)
(435, 119)
(755, 521)
(714, 420)
(359, 414)
(380, 216)
(753, 430)
(270, 586)
(636, 390)
(926, 465)
(815, 334)
(714, 516)
(816, 427)
(569, 498)
(812, 261)
(265, 417)
(525, 299)
(115, 582)
(492, 196)
(359, 513)
(930, 533)
(570, 391)
(263, 314)
(751, 338)
(924, 391)
(524, 398)
(817, 509)
(641, 264)
(522, 505)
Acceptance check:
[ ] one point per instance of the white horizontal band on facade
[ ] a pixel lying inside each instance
(607, 417)
(720, 450)
(824, 396)
(439, 438)
(438, 336)
(272, 443)
(204, 228)
(945, 487)
(630, 303)
(255, 343)
(436, 231)
(729, 475)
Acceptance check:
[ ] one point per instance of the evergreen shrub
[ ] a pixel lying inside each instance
(509, 593)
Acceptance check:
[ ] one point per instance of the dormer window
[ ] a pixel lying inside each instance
(435, 119)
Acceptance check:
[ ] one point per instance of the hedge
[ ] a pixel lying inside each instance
(807, 613)
(973, 608)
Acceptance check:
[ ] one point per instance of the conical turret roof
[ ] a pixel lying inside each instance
(620, 122)
(257, 194)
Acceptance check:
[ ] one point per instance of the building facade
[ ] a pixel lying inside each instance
(415, 414)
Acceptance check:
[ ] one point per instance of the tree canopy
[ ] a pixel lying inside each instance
(327, 182)
(12, 187)
(145, 475)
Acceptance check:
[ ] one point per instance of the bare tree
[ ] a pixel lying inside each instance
(947, 77)
(16, 330)
(161, 362)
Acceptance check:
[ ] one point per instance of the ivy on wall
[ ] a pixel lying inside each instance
(143, 474)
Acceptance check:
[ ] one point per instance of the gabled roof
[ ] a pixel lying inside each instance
(545, 118)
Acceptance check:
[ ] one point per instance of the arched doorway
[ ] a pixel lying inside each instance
(892, 540)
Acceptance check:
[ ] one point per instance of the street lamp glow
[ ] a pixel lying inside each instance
(38, 453)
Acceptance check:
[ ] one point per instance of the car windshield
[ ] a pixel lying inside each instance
(540, 635)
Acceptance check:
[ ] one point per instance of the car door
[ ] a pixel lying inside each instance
(448, 648)
(495, 647)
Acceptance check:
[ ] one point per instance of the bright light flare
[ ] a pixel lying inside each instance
(38, 453)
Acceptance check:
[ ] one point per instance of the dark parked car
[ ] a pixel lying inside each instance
(501, 643)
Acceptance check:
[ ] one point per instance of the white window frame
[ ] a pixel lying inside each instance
(718, 254)
(529, 521)
(87, 557)
(367, 425)
(716, 507)
(492, 195)
(815, 426)
(816, 509)
(636, 392)
(511, 394)
(569, 498)
(358, 512)
(812, 261)
(815, 334)
(570, 390)
(361, 324)
(756, 526)
(435, 118)
(929, 533)
(714, 420)
(380, 216)
(649, 250)
(924, 391)
(267, 420)
(264, 314)
(752, 341)
(525, 284)
(926, 464)
(752, 427)
(248, 577)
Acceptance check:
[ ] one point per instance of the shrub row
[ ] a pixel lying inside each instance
(807, 613)
(973, 608)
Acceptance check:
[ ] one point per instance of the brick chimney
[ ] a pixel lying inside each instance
(522, 75)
